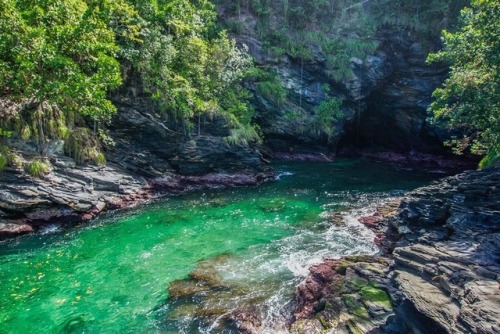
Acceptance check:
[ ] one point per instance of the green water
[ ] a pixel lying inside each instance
(112, 275)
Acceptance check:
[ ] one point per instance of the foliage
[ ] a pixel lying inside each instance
(273, 91)
(3, 161)
(188, 67)
(243, 135)
(58, 54)
(38, 167)
(470, 97)
(491, 159)
(60, 60)
(327, 113)
(15, 160)
(9, 158)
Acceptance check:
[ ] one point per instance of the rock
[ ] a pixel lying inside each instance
(342, 295)
(150, 145)
(290, 156)
(450, 256)
(13, 229)
(67, 195)
(440, 276)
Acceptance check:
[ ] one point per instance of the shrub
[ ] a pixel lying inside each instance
(15, 160)
(273, 91)
(83, 146)
(491, 159)
(38, 168)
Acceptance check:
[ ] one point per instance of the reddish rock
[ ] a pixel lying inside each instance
(13, 229)
(318, 285)
(378, 222)
(437, 163)
(291, 156)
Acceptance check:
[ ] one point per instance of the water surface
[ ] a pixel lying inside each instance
(112, 275)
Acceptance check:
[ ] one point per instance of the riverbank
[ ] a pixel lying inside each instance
(437, 272)
(71, 194)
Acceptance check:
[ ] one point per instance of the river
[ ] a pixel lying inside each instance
(112, 275)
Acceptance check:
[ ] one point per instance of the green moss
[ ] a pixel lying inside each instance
(374, 294)
(356, 283)
(355, 307)
(354, 328)
(341, 268)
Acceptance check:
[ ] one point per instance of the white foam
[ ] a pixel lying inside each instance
(52, 228)
(280, 174)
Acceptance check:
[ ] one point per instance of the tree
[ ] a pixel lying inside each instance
(470, 97)
(57, 60)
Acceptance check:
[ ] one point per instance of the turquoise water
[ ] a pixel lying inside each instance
(112, 275)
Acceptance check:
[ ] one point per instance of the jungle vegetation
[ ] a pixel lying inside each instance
(61, 60)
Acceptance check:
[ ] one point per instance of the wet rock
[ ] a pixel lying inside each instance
(13, 229)
(247, 319)
(440, 276)
(343, 295)
(380, 223)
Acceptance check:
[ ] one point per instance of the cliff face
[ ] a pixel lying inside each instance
(386, 96)
(396, 91)
(149, 144)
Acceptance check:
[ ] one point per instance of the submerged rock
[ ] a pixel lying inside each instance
(208, 301)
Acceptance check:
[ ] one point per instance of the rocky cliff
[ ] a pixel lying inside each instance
(439, 272)
(386, 91)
